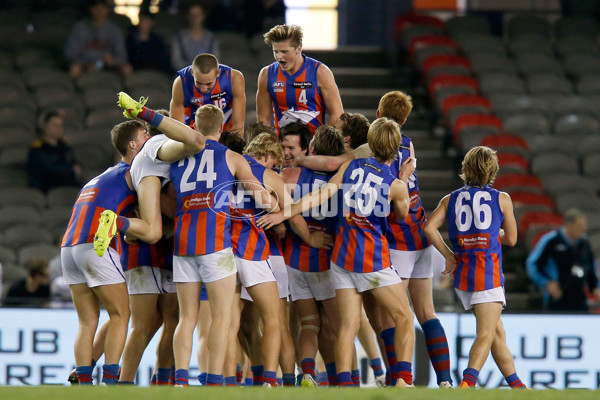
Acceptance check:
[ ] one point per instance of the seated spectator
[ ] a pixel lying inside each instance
(33, 291)
(188, 43)
(146, 49)
(562, 265)
(51, 162)
(96, 43)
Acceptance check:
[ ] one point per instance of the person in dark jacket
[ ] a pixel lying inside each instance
(147, 49)
(562, 265)
(51, 162)
(33, 291)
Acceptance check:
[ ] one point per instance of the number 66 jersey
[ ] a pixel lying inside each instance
(474, 221)
(203, 183)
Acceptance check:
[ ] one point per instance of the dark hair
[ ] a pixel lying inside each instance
(255, 129)
(121, 134)
(297, 129)
(233, 141)
(37, 266)
(328, 141)
(356, 126)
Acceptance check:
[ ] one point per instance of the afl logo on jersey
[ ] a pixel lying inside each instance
(278, 86)
(197, 101)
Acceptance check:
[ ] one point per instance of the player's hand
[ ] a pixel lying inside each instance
(270, 220)
(320, 240)
(554, 289)
(408, 168)
(130, 239)
(451, 264)
(279, 230)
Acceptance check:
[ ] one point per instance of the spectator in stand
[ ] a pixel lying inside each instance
(188, 43)
(51, 162)
(96, 43)
(33, 291)
(145, 48)
(261, 15)
(562, 265)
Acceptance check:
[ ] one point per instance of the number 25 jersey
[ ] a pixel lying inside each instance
(474, 221)
(203, 183)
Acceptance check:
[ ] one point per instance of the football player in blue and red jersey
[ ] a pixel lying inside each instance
(295, 87)
(480, 220)
(208, 82)
(360, 260)
(96, 279)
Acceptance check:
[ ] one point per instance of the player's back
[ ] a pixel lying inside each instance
(474, 221)
(248, 240)
(298, 254)
(203, 183)
(296, 97)
(360, 244)
(107, 191)
(407, 234)
(221, 95)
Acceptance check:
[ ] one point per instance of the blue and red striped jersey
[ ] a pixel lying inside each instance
(474, 222)
(407, 234)
(203, 183)
(221, 95)
(142, 254)
(298, 254)
(296, 97)
(248, 240)
(107, 191)
(360, 243)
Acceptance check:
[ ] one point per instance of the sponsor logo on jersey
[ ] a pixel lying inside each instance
(197, 100)
(474, 241)
(198, 201)
(373, 167)
(87, 196)
(218, 96)
(302, 85)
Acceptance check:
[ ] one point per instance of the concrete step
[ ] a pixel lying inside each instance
(430, 198)
(346, 77)
(362, 97)
(352, 56)
(432, 160)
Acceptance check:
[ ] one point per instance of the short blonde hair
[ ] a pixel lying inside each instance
(281, 33)
(384, 139)
(396, 105)
(209, 119)
(480, 166)
(263, 145)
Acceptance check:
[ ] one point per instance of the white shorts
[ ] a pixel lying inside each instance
(150, 280)
(418, 264)
(281, 275)
(146, 163)
(205, 268)
(310, 285)
(252, 273)
(363, 281)
(469, 299)
(81, 264)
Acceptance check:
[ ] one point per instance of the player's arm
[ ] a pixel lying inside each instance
(184, 141)
(325, 163)
(277, 184)
(399, 198)
(408, 166)
(177, 108)
(509, 225)
(432, 226)
(313, 199)
(238, 104)
(330, 92)
(239, 168)
(264, 108)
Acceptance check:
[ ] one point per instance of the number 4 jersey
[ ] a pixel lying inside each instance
(204, 184)
(474, 221)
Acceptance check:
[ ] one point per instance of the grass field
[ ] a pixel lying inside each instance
(193, 393)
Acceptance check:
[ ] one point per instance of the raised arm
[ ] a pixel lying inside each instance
(432, 226)
(239, 167)
(177, 108)
(238, 104)
(264, 108)
(331, 93)
(324, 163)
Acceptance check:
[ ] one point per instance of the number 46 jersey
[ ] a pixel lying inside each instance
(203, 183)
(474, 222)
